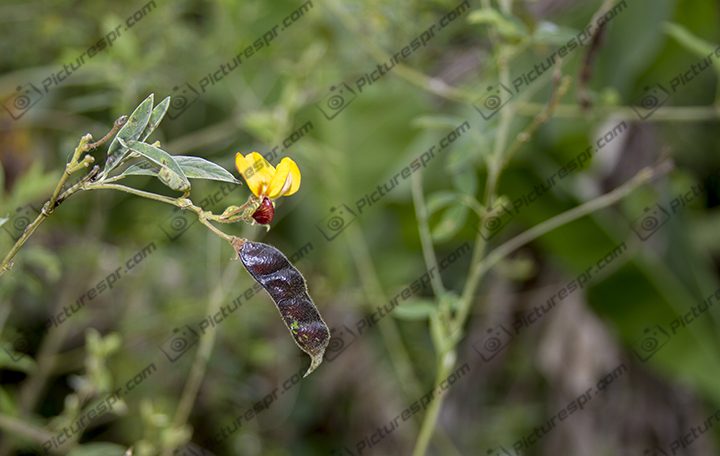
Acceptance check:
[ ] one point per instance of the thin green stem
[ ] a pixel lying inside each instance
(182, 203)
(560, 87)
(427, 429)
(664, 114)
(134, 191)
(473, 282)
(421, 214)
(642, 177)
(494, 167)
(29, 230)
(70, 168)
(75, 164)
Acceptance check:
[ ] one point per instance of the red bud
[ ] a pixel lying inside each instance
(265, 213)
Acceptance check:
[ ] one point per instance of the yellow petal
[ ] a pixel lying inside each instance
(286, 180)
(256, 171)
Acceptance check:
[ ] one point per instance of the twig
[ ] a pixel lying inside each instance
(182, 203)
(643, 176)
(116, 127)
(591, 54)
(74, 165)
(560, 87)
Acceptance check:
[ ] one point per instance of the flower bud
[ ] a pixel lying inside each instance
(265, 213)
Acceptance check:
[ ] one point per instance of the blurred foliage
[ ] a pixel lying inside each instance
(47, 375)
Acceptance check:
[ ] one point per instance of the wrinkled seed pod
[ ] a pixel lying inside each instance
(286, 286)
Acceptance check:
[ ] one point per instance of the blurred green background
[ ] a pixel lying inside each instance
(653, 379)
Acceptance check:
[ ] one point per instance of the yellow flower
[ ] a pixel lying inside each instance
(264, 180)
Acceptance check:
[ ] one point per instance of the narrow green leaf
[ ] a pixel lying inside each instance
(199, 168)
(132, 130)
(415, 309)
(155, 118)
(193, 167)
(170, 172)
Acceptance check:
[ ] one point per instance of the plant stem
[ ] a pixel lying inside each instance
(29, 230)
(444, 365)
(494, 167)
(74, 165)
(182, 203)
(642, 177)
(24, 429)
(134, 191)
(421, 214)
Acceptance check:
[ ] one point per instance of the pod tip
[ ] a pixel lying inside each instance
(315, 361)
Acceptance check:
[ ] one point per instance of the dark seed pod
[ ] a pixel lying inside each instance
(286, 286)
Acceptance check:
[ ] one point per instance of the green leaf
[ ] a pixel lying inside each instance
(453, 219)
(415, 309)
(170, 172)
(143, 168)
(199, 168)
(155, 118)
(98, 449)
(3, 220)
(132, 130)
(193, 167)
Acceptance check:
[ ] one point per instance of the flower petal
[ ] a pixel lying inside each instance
(256, 171)
(286, 180)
